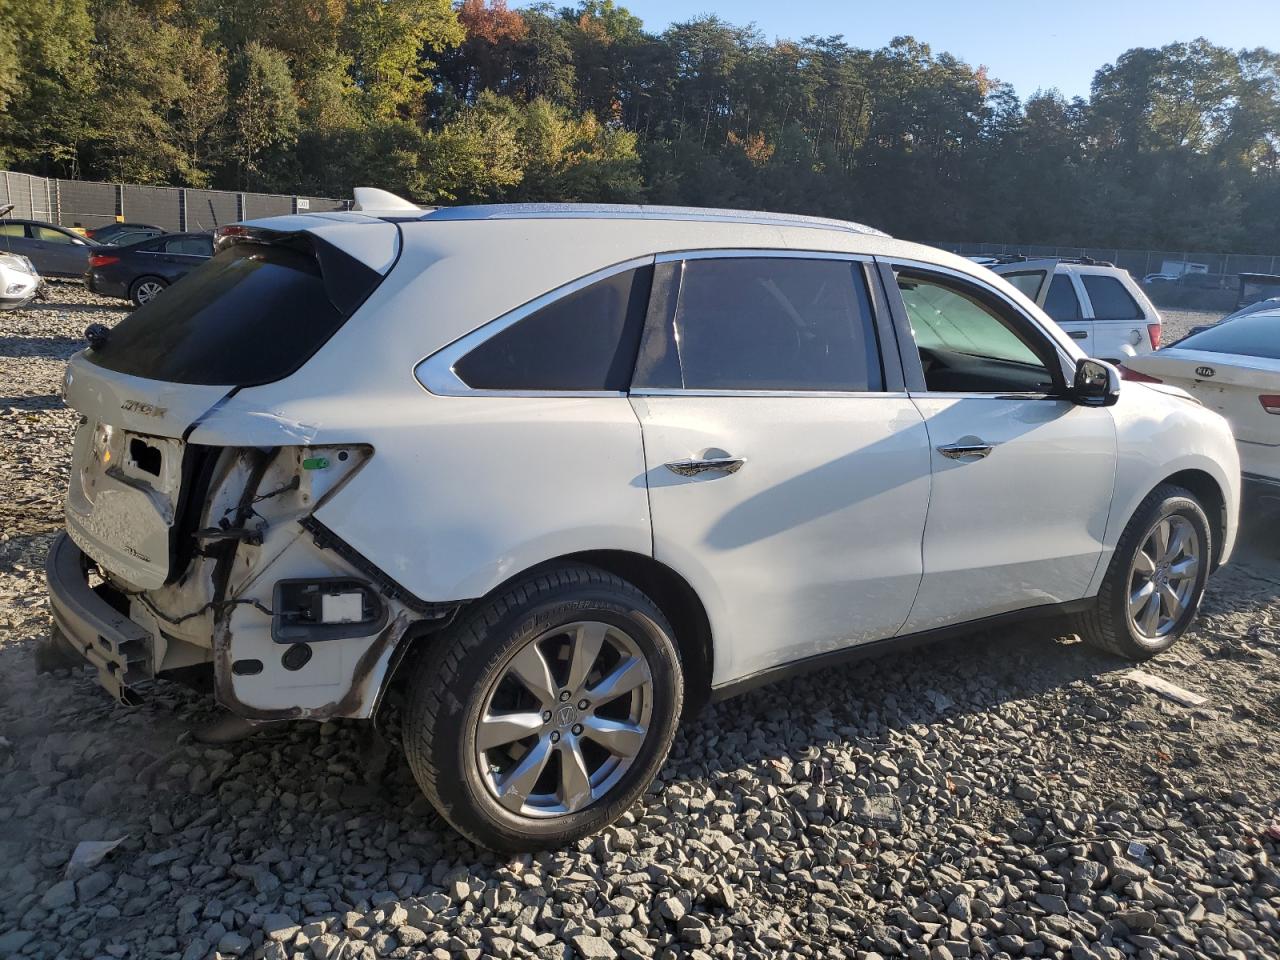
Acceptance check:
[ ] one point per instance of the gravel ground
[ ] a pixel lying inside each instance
(1006, 795)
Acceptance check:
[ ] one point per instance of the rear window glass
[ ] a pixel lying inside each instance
(586, 341)
(250, 315)
(1111, 301)
(1257, 335)
(1062, 302)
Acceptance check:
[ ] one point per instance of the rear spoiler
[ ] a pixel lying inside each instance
(369, 240)
(348, 277)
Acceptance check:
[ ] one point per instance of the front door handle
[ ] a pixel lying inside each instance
(965, 451)
(1079, 334)
(692, 468)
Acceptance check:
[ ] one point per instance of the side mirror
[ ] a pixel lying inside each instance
(1097, 383)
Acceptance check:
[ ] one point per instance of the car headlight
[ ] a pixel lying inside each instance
(17, 262)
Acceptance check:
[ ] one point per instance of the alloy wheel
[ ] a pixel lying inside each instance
(1162, 577)
(565, 719)
(148, 290)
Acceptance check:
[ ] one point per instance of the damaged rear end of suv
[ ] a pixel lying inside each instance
(193, 544)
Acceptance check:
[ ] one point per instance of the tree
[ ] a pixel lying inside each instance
(474, 157)
(391, 43)
(161, 99)
(46, 83)
(264, 113)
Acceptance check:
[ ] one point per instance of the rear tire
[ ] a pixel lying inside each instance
(542, 716)
(1156, 578)
(145, 289)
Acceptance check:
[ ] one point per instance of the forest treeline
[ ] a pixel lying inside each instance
(1176, 147)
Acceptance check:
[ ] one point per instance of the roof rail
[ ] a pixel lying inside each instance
(1082, 260)
(624, 211)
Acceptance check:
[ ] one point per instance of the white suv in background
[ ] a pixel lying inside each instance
(1098, 304)
(548, 473)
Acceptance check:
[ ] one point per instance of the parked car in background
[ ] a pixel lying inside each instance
(1098, 304)
(1151, 278)
(120, 234)
(1232, 368)
(662, 455)
(19, 281)
(140, 271)
(55, 251)
(1270, 305)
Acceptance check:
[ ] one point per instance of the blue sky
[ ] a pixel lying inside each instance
(1031, 45)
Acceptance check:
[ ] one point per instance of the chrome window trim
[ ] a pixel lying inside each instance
(1064, 359)
(828, 394)
(974, 395)
(435, 372)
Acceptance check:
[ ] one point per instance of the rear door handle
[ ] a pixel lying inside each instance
(1079, 334)
(965, 451)
(692, 468)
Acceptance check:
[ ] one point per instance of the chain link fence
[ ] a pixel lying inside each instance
(82, 203)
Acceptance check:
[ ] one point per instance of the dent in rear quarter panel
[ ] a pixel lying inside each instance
(1158, 436)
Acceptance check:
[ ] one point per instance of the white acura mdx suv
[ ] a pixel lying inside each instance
(552, 474)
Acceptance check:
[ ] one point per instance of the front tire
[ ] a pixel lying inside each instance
(542, 716)
(1156, 578)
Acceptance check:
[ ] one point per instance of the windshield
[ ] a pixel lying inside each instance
(253, 314)
(1257, 335)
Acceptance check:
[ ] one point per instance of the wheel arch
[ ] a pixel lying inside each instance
(668, 589)
(1211, 497)
(678, 600)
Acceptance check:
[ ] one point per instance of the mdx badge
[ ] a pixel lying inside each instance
(1204, 371)
(146, 409)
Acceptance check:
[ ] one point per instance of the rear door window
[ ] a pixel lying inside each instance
(764, 323)
(49, 235)
(253, 314)
(13, 230)
(191, 246)
(1062, 302)
(584, 341)
(1111, 301)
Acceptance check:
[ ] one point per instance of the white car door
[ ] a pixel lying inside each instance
(1022, 476)
(788, 471)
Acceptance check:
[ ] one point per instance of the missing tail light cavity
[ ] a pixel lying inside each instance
(144, 456)
(327, 608)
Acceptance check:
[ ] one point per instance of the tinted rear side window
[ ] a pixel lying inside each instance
(1111, 301)
(194, 246)
(764, 323)
(584, 341)
(252, 314)
(1062, 302)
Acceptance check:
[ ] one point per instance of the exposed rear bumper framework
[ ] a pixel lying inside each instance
(119, 649)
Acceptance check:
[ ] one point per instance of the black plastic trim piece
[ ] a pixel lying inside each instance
(326, 539)
(285, 628)
(888, 645)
